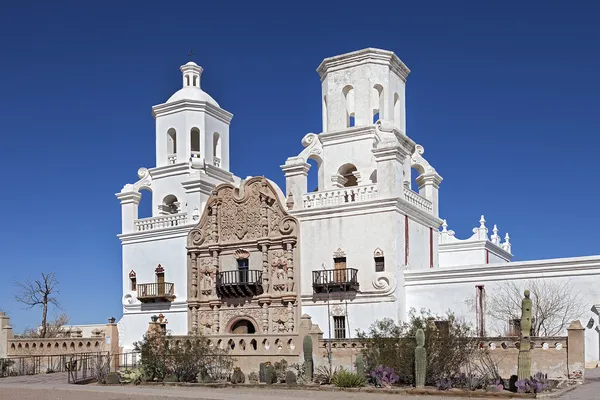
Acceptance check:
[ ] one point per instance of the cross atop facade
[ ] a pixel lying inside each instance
(191, 53)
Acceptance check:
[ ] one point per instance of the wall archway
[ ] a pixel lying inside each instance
(243, 325)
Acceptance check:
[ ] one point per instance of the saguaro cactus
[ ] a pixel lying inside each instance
(270, 375)
(307, 345)
(420, 359)
(524, 359)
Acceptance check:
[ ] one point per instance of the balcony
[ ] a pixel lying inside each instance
(160, 222)
(339, 196)
(415, 199)
(155, 292)
(241, 283)
(335, 280)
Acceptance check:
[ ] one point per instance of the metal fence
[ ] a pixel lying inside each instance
(44, 364)
(85, 367)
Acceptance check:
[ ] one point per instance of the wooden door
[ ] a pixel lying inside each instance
(160, 280)
(339, 275)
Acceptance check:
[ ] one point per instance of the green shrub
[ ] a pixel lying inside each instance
(131, 376)
(324, 375)
(347, 379)
(448, 345)
(253, 377)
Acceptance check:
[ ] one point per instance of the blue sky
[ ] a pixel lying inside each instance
(503, 96)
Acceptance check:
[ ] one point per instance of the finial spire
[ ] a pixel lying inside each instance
(507, 245)
(482, 222)
(444, 226)
(495, 237)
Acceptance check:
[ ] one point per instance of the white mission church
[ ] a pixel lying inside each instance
(365, 245)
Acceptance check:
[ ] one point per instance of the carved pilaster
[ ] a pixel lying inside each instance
(195, 312)
(215, 263)
(214, 237)
(290, 322)
(264, 211)
(216, 326)
(289, 255)
(265, 267)
(194, 278)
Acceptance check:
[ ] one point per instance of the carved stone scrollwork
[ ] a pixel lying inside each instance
(338, 311)
(290, 266)
(206, 321)
(208, 275)
(282, 320)
(287, 226)
(279, 267)
(384, 282)
(228, 314)
(194, 283)
(339, 253)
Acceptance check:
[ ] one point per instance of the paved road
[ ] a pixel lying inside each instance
(53, 387)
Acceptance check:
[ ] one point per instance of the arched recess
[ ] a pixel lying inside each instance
(396, 110)
(373, 176)
(145, 206)
(377, 102)
(416, 170)
(242, 326)
(171, 142)
(348, 92)
(316, 173)
(349, 174)
(217, 149)
(195, 141)
(170, 204)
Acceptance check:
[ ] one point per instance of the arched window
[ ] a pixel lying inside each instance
(216, 149)
(187, 80)
(349, 174)
(377, 102)
(170, 205)
(348, 92)
(243, 327)
(396, 110)
(195, 142)
(195, 80)
(172, 146)
(145, 208)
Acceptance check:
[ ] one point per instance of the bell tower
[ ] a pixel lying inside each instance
(191, 126)
(361, 87)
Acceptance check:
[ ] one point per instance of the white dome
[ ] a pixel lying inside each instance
(192, 93)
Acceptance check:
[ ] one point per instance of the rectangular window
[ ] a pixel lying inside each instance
(160, 281)
(133, 284)
(243, 269)
(339, 327)
(379, 264)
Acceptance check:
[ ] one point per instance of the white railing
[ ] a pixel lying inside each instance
(163, 221)
(339, 196)
(416, 199)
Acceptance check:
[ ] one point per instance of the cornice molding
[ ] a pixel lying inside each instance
(364, 56)
(346, 135)
(173, 307)
(192, 105)
(199, 185)
(560, 267)
(169, 170)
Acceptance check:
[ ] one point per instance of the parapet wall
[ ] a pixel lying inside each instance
(560, 357)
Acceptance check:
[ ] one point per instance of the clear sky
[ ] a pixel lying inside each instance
(503, 96)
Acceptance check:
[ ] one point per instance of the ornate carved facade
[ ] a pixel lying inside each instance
(241, 262)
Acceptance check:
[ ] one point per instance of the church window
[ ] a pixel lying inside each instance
(195, 80)
(171, 142)
(339, 327)
(348, 92)
(187, 80)
(379, 264)
(195, 142)
(133, 280)
(396, 110)
(377, 102)
(350, 175)
(216, 149)
(170, 205)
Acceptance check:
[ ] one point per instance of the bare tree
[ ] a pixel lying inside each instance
(40, 292)
(54, 328)
(555, 304)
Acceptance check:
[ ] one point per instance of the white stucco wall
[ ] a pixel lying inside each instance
(450, 288)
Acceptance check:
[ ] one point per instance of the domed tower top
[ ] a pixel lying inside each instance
(191, 74)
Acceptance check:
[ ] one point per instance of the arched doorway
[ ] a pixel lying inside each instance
(243, 327)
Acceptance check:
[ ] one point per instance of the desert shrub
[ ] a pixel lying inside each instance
(447, 340)
(253, 377)
(131, 376)
(238, 376)
(100, 368)
(324, 375)
(5, 364)
(187, 361)
(347, 379)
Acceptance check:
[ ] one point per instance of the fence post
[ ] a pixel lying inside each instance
(576, 351)
(6, 333)
(112, 343)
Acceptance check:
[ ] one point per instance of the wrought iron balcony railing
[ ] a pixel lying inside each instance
(155, 292)
(335, 280)
(240, 283)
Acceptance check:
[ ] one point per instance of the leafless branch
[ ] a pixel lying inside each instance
(40, 292)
